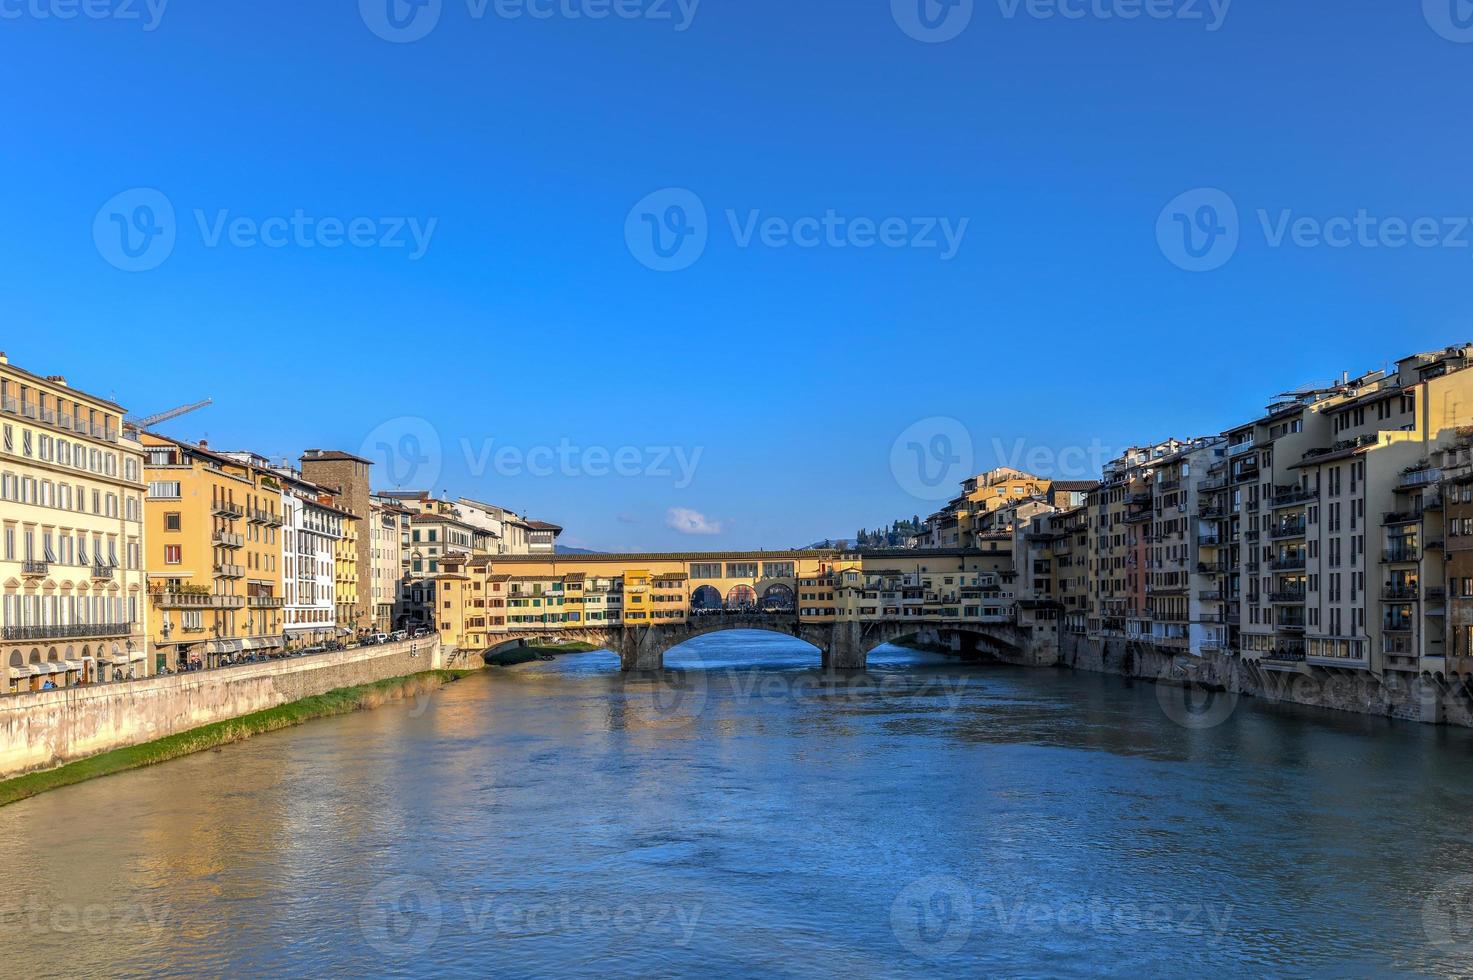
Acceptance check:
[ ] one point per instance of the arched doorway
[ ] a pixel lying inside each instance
(741, 598)
(705, 599)
(777, 599)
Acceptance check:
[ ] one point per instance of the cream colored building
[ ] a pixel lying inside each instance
(71, 505)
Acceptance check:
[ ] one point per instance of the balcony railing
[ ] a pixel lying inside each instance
(1400, 593)
(33, 566)
(1402, 517)
(102, 572)
(227, 540)
(225, 508)
(227, 570)
(75, 631)
(1286, 596)
(1291, 529)
(266, 601)
(1287, 564)
(1419, 477)
(195, 600)
(1290, 496)
(1399, 556)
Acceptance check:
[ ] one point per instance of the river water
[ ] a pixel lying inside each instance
(747, 816)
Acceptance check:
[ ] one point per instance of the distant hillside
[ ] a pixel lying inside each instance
(563, 549)
(894, 536)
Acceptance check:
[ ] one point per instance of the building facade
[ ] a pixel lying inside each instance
(74, 605)
(213, 554)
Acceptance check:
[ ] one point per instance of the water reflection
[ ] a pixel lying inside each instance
(746, 812)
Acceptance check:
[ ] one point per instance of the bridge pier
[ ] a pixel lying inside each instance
(643, 648)
(845, 647)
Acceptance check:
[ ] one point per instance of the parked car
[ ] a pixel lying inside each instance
(398, 636)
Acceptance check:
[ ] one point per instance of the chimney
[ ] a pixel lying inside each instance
(55, 379)
(204, 444)
(3, 358)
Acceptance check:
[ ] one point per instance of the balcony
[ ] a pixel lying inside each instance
(1401, 556)
(227, 570)
(1288, 529)
(1241, 447)
(1211, 595)
(227, 509)
(1293, 496)
(1285, 656)
(1400, 593)
(196, 600)
(266, 601)
(75, 631)
(1288, 564)
(1290, 625)
(227, 540)
(34, 568)
(1286, 596)
(102, 573)
(1212, 568)
(1402, 517)
(1438, 594)
(1419, 477)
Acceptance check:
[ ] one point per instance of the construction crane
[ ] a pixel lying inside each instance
(149, 421)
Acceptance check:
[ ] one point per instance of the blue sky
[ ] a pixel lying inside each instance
(530, 327)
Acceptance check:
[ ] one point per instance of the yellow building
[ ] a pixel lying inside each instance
(345, 577)
(71, 501)
(213, 554)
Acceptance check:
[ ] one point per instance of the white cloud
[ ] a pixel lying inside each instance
(688, 521)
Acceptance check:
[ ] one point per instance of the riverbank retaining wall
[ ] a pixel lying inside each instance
(48, 728)
(1421, 699)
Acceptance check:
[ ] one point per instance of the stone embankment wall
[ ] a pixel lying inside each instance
(47, 728)
(1419, 699)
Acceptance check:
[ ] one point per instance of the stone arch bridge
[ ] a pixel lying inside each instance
(842, 645)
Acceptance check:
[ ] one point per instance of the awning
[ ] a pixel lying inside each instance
(261, 642)
(224, 646)
(73, 664)
(54, 667)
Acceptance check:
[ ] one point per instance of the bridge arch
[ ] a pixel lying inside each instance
(777, 598)
(706, 598)
(741, 598)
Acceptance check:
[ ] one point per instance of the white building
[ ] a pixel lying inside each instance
(311, 528)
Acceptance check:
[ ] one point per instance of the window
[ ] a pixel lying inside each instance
(173, 521)
(172, 554)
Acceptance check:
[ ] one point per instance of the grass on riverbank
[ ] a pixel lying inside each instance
(572, 647)
(341, 701)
